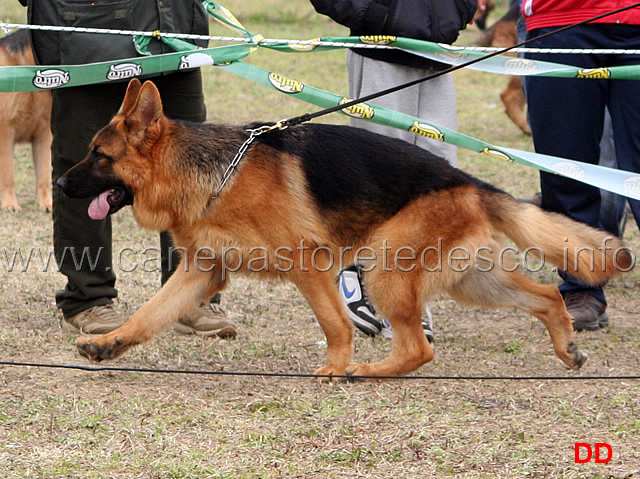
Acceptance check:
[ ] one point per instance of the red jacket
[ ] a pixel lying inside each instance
(557, 13)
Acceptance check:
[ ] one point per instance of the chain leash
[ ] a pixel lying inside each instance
(253, 134)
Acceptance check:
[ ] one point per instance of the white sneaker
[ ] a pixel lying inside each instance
(361, 313)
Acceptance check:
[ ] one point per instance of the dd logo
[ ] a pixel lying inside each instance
(582, 458)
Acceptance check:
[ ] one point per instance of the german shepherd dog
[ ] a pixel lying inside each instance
(503, 34)
(309, 194)
(24, 117)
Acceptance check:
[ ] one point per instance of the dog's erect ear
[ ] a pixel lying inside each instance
(131, 97)
(147, 108)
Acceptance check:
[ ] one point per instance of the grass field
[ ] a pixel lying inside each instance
(58, 423)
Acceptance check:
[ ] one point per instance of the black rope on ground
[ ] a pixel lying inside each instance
(308, 375)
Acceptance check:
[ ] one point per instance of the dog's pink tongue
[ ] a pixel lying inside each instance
(99, 207)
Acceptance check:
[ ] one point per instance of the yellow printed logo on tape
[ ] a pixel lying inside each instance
(359, 110)
(496, 154)
(427, 131)
(303, 47)
(284, 84)
(378, 39)
(594, 73)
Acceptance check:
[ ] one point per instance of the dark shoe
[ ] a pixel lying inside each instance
(361, 313)
(587, 312)
(96, 320)
(207, 320)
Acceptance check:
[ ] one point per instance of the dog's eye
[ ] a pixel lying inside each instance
(99, 157)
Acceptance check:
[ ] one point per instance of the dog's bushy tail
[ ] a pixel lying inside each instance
(584, 252)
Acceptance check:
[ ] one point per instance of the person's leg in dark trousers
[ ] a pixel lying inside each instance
(77, 114)
(624, 105)
(566, 117)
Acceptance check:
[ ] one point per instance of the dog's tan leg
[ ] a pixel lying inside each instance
(179, 295)
(397, 297)
(546, 304)
(321, 293)
(502, 289)
(41, 148)
(514, 102)
(8, 200)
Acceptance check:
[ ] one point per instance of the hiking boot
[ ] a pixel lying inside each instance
(361, 313)
(207, 320)
(101, 319)
(386, 331)
(587, 312)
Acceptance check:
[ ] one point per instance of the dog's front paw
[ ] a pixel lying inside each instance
(329, 374)
(10, 205)
(579, 359)
(575, 357)
(105, 347)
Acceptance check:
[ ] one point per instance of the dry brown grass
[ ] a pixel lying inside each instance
(69, 423)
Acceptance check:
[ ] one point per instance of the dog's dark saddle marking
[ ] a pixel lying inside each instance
(346, 166)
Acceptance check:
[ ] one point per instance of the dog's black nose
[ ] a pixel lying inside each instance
(62, 182)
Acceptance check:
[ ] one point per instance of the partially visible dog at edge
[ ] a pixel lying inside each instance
(24, 118)
(503, 34)
(338, 191)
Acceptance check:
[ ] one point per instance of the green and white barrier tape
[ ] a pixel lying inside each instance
(42, 77)
(502, 64)
(617, 181)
